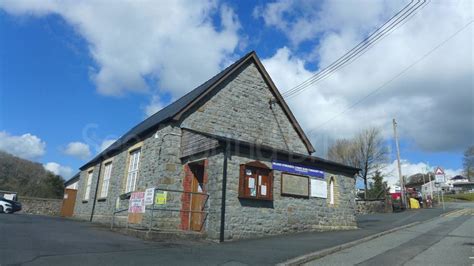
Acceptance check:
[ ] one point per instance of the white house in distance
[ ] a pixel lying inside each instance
(73, 182)
(457, 179)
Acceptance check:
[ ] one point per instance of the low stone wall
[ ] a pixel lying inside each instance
(41, 206)
(372, 206)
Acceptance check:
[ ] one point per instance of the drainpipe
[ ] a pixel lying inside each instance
(95, 194)
(224, 188)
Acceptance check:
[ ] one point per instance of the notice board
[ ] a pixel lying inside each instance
(294, 185)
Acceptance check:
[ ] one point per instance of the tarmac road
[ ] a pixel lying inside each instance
(447, 240)
(40, 240)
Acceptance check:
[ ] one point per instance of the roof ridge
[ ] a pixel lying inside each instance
(166, 112)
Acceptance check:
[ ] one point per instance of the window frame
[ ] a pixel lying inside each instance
(133, 160)
(332, 198)
(258, 169)
(104, 189)
(87, 192)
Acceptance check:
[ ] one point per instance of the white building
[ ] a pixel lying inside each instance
(73, 182)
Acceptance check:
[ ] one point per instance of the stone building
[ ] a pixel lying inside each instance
(234, 142)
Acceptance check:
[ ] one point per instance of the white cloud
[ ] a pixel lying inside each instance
(64, 171)
(106, 143)
(78, 149)
(408, 169)
(175, 45)
(154, 106)
(433, 102)
(26, 146)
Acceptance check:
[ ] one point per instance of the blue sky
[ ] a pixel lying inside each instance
(59, 83)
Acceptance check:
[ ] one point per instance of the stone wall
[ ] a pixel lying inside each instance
(241, 110)
(159, 166)
(41, 206)
(253, 218)
(373, 206)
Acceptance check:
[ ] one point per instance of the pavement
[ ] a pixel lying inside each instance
(447, 240)
(41, 240)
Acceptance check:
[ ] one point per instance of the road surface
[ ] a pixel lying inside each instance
(446, 240)
(41, 240)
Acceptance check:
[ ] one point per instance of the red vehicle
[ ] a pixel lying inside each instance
(396, 201)
(396, 195)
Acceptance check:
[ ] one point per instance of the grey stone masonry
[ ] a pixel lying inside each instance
(241, 110)
(285, 214)
(159, 166)
(41, 206)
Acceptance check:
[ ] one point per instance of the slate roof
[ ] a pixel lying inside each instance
(278, 154)
(459, 177)
(176, 108)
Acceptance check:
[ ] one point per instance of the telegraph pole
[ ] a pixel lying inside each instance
(402, 183)
(428, 168)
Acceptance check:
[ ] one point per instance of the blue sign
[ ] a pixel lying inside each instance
(297, 169)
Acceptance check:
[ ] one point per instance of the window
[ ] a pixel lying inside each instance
(132, 174)
(331, 191)
(105, 182)
(88, 185)
(256, 181)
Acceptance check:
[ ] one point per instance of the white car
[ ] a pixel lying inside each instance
(9, 206)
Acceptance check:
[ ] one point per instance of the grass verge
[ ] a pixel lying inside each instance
(459, 197)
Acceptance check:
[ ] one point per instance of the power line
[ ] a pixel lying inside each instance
(361, 47)
(396, 76)
(355, 57)
(380, 33)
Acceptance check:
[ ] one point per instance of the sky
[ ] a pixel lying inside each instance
(74, 76)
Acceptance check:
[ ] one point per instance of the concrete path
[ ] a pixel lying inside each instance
(447, 240)
(39, 240)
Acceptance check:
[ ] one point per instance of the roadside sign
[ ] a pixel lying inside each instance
(149, 195)
(439, 175)
(439, 171)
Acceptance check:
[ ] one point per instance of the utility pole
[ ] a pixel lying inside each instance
(428, 168)
(402, 183)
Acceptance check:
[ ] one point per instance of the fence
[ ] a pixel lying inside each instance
(157, 217)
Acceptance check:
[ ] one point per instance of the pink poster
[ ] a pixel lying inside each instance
(137, 202)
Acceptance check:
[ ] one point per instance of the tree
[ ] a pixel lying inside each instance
(468, 163)
(366, 151)
(378, 186)
(28, 178)
(342, 151)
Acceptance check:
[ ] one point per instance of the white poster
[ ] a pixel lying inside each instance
(263, 190)
(9, 196)
(251, 182)
(319, 188)
(149, 195)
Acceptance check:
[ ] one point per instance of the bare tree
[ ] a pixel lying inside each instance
(468, 163)
(366, 151)
(342, 151)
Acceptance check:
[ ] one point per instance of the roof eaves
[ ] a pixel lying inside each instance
(309, 159)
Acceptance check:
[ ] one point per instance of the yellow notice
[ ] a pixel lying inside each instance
(160, 198)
